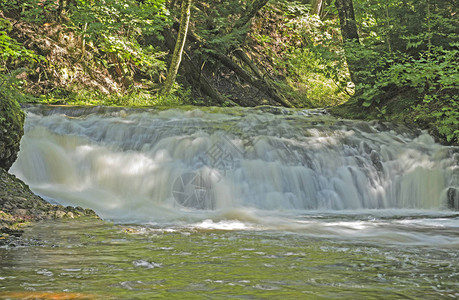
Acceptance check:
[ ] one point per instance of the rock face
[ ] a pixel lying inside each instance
(453, 198)
(11, 130)
(19, 205)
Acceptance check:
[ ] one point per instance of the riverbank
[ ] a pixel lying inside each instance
(19, 206)
(401, 110)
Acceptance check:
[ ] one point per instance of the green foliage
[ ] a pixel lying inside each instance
(15, 60)
(434, 79)
(12, 87)
(127, 17)
(289, 9)
(448, 120)
(116, 29)
(214, 23)
(133, 97)
(35, 11)
(12, 53)
(407, 26)
(305, 52)
(409, 48)
(404, 43)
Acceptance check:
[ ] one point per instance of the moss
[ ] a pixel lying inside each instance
(11, 130)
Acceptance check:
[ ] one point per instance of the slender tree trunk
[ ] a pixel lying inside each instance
(347, 20)
(317, 7)
(349, 32)
(178, 50)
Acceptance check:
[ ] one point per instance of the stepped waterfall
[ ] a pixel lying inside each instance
(145, 165)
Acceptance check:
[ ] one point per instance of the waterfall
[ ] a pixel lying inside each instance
(149, 164)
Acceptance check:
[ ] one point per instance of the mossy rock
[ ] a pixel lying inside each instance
(11, 130)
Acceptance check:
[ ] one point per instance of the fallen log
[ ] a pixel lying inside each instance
(194, 74)
(261, 84)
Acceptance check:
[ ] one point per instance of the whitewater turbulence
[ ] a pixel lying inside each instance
(150, 166)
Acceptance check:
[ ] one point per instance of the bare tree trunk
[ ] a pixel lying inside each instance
(317, 7)
(349, 32)
(178, 50)
(243, 56)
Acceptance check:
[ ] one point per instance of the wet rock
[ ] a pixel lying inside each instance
(18, 206)
(13, 232)
(384, 126)
(364, 127)
(20, 211)
(455, 155)
(366, 147)
(275, 110)
(452, 196)
(376, 160)
(60, 214)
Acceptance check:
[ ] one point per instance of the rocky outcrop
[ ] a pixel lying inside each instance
(453, 198)
(18, 205)
(11, 130)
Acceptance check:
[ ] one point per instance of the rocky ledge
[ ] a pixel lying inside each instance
(19, 206)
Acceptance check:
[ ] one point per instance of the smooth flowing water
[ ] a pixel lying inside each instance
(235, 203)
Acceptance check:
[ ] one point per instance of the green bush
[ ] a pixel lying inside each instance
(12, 53)
(305, 53)
(114, 30)
(35, 11)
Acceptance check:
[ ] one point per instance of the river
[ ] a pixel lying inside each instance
(260, 203)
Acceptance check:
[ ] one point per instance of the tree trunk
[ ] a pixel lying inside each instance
(243, 56)
(347, 20)
(259, 83)
(349, 32)
(317, 7)
(178, 50)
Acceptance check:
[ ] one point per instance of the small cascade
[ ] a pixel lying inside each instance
(148, 165)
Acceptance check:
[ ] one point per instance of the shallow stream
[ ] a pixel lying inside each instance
(238, 203)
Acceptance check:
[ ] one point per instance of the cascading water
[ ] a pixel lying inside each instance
(133, 165)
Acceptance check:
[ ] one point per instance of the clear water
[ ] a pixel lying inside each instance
(234, 203)
(91, 259)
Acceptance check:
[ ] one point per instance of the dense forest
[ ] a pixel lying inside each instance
(391, 60)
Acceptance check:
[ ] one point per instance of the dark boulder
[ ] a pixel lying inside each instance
(11, 130)
(376, 160)
(452, 196)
